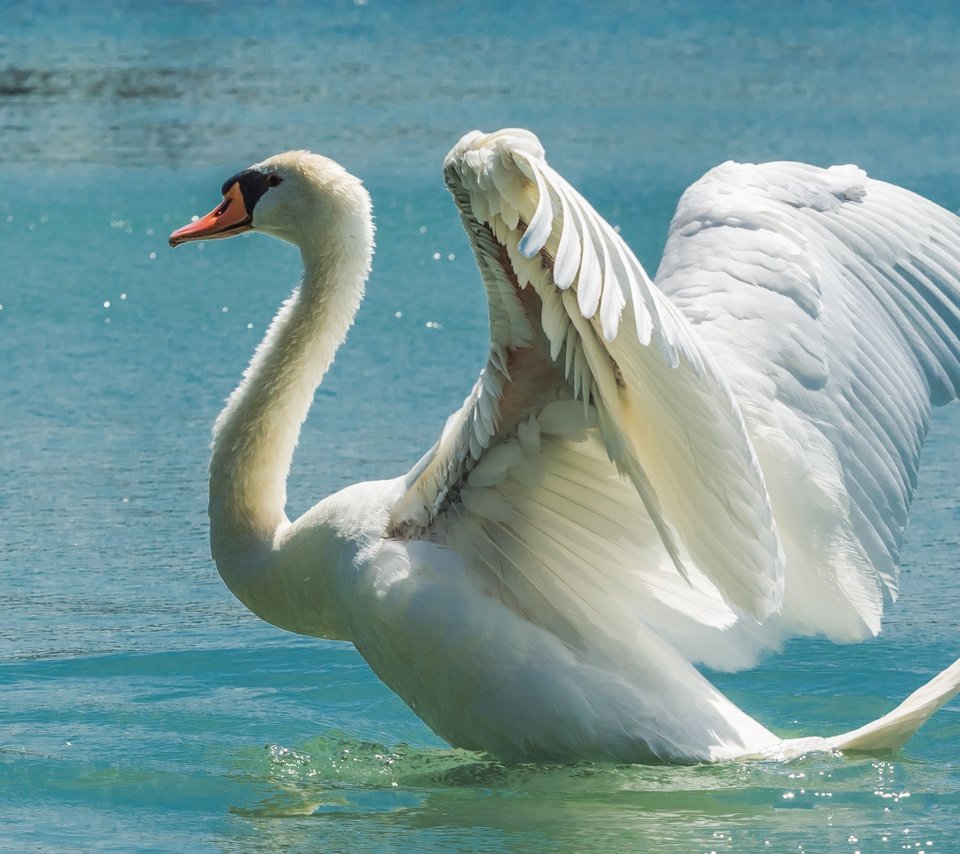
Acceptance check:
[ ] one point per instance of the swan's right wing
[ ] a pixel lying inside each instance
(833, 303)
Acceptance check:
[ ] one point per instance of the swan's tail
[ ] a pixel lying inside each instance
(895, 728)
(886, 734)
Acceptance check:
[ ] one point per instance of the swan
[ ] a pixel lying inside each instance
(647, 475)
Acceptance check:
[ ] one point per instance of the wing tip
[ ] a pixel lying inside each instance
(498, 142)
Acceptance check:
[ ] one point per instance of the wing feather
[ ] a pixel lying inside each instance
(661, 404)
(862, 278)
(740, 439)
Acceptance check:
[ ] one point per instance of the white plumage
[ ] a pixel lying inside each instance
(645, 475)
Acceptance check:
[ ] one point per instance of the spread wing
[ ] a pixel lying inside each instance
(832, 303)
(600, 472)
(728, 456)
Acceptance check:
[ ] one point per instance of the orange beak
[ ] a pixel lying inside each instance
(226, 220)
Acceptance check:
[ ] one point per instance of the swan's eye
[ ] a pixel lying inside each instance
(273, 179)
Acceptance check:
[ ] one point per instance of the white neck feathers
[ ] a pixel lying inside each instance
(256, 434)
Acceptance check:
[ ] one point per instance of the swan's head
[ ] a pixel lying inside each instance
(297, 196)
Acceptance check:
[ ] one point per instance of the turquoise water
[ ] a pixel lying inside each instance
(141, 708)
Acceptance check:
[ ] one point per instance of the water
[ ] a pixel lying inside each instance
(141, 707)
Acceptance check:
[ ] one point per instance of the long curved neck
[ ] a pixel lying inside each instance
(257, 432)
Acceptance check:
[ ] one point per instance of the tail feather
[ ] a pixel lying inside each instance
(895, 728)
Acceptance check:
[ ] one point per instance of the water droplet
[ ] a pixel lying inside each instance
(123, 296)
(249, 326)
(149, 232)
(153, 256)
(436, 256)
(451, 257)
(194, 218)
(398, 314)
(106, 303)
(225, 309)
(44, 218)
(423, 229)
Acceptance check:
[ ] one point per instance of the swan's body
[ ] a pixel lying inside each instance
(636, 482)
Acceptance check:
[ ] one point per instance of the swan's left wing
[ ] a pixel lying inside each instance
(660, 445)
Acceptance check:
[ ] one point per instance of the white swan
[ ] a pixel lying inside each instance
(643, 476)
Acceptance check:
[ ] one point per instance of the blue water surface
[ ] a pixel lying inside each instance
(141, 707)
